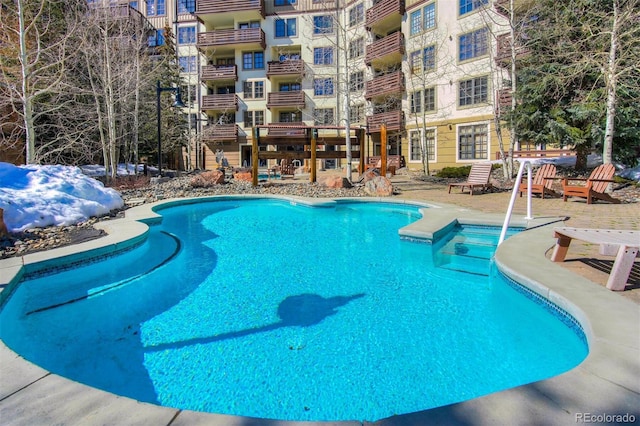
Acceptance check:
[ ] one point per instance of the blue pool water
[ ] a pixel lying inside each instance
(268, 309)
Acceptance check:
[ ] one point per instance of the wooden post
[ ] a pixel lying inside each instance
(254, 156)
(383, 149)
(314, 148)
(360, 136)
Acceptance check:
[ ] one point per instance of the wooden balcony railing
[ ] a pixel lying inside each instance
(292, 67)
(207, 7)
(219, 73)
(220, 102)
(286, 100)
(504, 98)
(394, 120)
(384, 11)
(503, 50)
(287, 129)
(227, 37)
(387, 49)
(220, 133)
(387, 84)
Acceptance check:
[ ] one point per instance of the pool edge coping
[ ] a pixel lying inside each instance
(607, 319)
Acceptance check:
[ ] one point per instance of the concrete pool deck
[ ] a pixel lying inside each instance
(607, 383)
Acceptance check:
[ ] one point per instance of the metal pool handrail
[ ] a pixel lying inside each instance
(516, 189)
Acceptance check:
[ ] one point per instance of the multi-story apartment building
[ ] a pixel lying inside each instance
(425, 69)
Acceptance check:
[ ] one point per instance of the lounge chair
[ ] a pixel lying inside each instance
(478, 178)
(542, 181)
(622, 244)
(287, 167)
(595, 185)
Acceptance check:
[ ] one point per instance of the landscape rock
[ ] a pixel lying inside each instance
(207, 179)
(379, 186)
(243, 176)
(337, 182)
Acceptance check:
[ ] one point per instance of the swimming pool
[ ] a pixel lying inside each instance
(353, 323)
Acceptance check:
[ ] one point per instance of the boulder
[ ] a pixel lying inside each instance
(337, 182)
(379, 186)
(369, 174)
(4, 232)
(207, 179)
(243, 176)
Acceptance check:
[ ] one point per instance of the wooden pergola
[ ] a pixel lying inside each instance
(308, 138)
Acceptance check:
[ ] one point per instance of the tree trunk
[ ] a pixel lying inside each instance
(611, 81)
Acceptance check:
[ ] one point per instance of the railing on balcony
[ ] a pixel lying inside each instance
(228, 37)
(383, 11)
(394, 120)
(504, 98)
(287, 129)
(220, 133)
(220, 102)
(503, 49)
(286, 100)
(219, 73)
(389, 48)
(291, 67)
(206, 7)
(387, 84)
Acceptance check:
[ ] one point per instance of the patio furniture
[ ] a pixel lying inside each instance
(623, 244)
(478, 178)
(542, 181)
(595, 185)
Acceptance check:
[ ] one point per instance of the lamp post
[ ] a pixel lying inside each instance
(177, 103)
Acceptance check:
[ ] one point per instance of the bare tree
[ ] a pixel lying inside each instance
(38, 33)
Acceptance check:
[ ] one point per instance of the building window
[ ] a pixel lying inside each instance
(186, 35)
(186, 6)
(473, 142)
(286, 27)
(253, 60)
(356, 113)
(290, 87)
(356, 14)
(422, 19)
(188, 64)
(416, 144)
(155, 7)
(253, 118)
(134, 5)
(323, 55)
(156, 39)
(356, 48)
(467, 6)
(423, 60)
(473, 44)
(423, 100)
(290, 116)
(323, 86)
(247, 25)
(253, 89)
(473, 91)
(322, 24)
(284, 2)
(356, 81)
(323, 116)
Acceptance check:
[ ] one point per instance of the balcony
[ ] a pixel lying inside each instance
(214, 12)
(503, 50)
(385, 15)
(286, 100)
(503, 99)
(387, 50)
(393, 119)
(220, 102)
(217, 133)
(289, 68)
(229, 39)
(219, 73)
(388, 84)
(519, 7)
